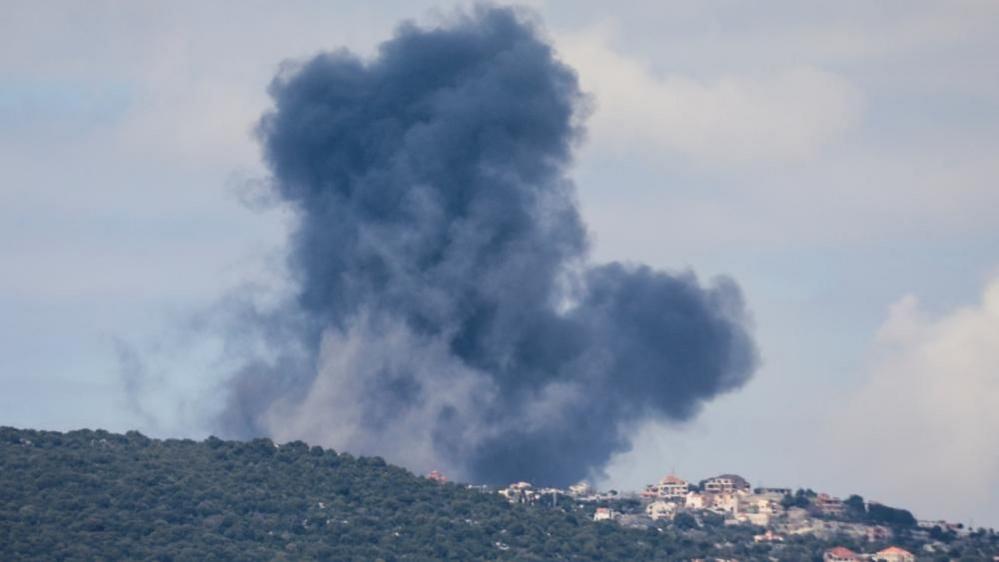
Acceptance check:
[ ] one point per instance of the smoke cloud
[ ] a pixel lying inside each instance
(445, 313)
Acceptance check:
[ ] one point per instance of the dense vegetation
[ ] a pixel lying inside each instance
(86, 495)
(857, 510)
(89, 495)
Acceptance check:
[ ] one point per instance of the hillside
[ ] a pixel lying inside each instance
(87, 495)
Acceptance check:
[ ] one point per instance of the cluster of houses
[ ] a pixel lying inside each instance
(729, 496)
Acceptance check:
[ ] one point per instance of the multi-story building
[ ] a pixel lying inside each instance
(671, 488)
(828, 505)
(725, 503)
(725, 484)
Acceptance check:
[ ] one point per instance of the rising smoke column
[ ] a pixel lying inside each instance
(445, 314)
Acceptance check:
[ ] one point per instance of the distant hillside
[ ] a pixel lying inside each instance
(90, 495)
(86, 495)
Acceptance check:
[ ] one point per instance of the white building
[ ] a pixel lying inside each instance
(604, 514)
(658, 510)
(519, 492)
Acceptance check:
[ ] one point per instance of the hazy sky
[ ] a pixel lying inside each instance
(838, 159)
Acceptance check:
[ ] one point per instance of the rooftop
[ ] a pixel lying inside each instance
(841, 552)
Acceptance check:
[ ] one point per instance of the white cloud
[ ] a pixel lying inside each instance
(922, 431)
(784, 114)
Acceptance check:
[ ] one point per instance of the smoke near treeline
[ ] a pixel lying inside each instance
(446, 315)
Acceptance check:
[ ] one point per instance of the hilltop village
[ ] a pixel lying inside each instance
(778, 513)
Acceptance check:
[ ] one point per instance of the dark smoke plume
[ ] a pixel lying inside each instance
(446, 316)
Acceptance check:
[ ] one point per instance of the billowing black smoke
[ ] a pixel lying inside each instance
(446, 316)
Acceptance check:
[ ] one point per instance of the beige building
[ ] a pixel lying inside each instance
(760, 504)
(728, 502)
(671, 487)
(695, 500)
(894, 554)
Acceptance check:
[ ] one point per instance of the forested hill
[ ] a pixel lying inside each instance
(94, 495)
(90, 495)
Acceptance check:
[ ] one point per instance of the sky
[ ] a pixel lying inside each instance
(836, 159)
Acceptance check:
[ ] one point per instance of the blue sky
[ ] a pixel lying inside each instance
(837, 159)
